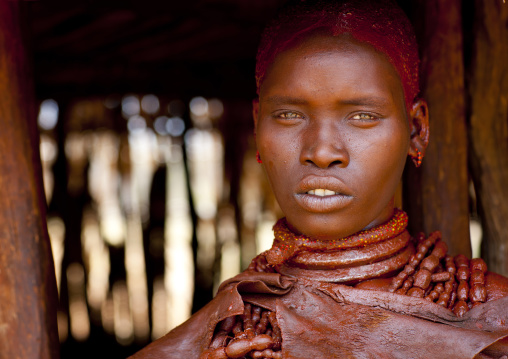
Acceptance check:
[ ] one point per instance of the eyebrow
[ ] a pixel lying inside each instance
(370, 101)
(286, 100)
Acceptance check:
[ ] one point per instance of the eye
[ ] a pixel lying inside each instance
(364, 117)
(289, 115)
(364, 120)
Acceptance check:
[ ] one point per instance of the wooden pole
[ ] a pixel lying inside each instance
(27, 281)
(436, 195)
(488, 127)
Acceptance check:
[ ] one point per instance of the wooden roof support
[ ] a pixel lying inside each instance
(488, 127)
(28, 294)
(437, 193)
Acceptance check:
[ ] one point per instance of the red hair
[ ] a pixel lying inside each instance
(382, 24)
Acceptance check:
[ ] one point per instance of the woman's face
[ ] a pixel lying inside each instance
(332, 132)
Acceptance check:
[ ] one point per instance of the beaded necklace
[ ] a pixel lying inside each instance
(428, 272)
(456, 283)
(287, 244)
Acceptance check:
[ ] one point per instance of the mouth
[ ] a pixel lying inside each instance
(323, 194)
(322, 186)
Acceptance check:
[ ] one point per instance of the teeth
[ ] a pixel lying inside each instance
(321, 192)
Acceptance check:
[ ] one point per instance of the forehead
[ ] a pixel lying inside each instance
(333, 63)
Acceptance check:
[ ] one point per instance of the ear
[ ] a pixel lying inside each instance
(255, 112)
(419, 130)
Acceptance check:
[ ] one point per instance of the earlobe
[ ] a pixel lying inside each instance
(255, 112)
(419, 130)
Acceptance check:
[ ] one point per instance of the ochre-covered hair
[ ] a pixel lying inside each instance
(381, 24)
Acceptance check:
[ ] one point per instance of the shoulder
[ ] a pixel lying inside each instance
(496, 285)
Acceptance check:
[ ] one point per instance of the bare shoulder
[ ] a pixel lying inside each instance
(496, 285)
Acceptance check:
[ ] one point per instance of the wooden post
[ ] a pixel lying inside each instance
(488, 131)
(436, 195)
(27, 281)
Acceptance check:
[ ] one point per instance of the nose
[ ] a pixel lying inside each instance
(323, 145)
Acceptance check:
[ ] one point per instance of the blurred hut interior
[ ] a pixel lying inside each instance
(141, 112)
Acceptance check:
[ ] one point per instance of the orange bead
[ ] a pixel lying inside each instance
(440, 249)
(461, 260)
(416, 292)
(422, 279)
(477, 277)
(478, 264)
(460, 308)
(463, 291)
(463, 273)
(430, 263)
(478, 293)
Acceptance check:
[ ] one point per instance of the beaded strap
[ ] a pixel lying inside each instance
(254, 333)
(456, 283)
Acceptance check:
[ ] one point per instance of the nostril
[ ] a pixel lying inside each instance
(324, 165)
(324, 154)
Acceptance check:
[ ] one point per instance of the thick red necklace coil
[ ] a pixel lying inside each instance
(287, 244)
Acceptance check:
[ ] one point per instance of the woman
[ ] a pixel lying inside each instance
(338, 112)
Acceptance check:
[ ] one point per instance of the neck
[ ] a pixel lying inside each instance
(287, 244)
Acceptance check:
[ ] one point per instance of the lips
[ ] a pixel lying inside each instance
(323, 194)
(326, 183)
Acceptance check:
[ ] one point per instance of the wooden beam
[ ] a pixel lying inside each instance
(436, 195)
(488, 128)
(27, 280)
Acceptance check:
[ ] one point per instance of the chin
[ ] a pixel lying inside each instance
(323, 229)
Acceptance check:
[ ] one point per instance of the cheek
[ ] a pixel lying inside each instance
(384, 158)
(276, 147)
(278, 152)
(273, 156)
